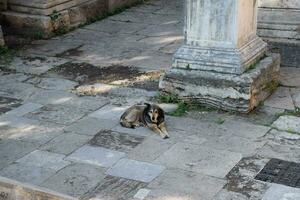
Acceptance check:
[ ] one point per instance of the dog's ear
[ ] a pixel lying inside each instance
(147, 104)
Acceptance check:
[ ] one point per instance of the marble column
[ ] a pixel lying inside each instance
(222, 63)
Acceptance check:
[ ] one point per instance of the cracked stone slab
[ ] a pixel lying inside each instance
(284, 152)
(45, 97)
(7, 104)
(65, 143)
(112, 188)
(35, 64)
(24, 109)
(116, 141)
(44, 159)
(287, 123)
(282, 192)
(27, 174)
(135, 170)
(150, 149)
(76, 179)
(109, 113)
(12, 150)
(199, 159)
(191, 185)
(96, 156)
(17, 122)
(90, 126)
(53, 83)
(284, 138)
(281, 98)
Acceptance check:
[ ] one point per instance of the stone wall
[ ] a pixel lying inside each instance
(279, 25)
(44, 17)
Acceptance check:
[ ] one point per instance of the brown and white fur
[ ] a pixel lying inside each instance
(149, 115)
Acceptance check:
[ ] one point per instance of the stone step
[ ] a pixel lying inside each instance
(10, 189)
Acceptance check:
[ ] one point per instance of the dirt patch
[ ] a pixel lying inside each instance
(87, 74)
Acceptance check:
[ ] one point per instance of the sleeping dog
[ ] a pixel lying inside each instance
(149, 115)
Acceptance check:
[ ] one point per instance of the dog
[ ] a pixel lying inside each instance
(148, 115)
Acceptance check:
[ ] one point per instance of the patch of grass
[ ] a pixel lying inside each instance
(183, 106)
(220, 121)
(61, 30)
(6, 55)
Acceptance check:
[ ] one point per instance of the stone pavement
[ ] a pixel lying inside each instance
(61, 100)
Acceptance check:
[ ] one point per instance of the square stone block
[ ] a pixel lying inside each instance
(76, 179)
(199, 159)
(44, 159)
(65, 143)
(116, 141)
(282, 192)
(184, 184)
(112, 188)
(135, 170)
(90, 126)
(27, 174)
(96, 156)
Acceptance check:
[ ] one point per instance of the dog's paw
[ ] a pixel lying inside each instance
(166, 137)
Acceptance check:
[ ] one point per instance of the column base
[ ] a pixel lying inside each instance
(230, 92)
(225, 60)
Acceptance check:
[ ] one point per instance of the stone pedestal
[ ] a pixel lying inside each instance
(1, 38)
(279, 25)
(220, 63)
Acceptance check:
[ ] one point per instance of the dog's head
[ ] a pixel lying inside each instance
(154, 113)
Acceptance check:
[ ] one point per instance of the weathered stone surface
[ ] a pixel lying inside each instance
(11, 189)
(96, 156)
(65, 143)
(150, 149)
(288, 123)
(11, 150)
(281, 98)
(109, 113)
(282, 192)
(53, 83)
(24, 109)
(8, 104)
(283, 152)
(2, 43)
(91, 126)
(141, 194)
(27, 173)
(112, 188)
(35, 64)
(225, 91)
(44, 159)
(284, 138)
(191, 186)
(199, 159)
(76, 179)
(135, 170)
(228, 195)
(290, 76)
(115, 141)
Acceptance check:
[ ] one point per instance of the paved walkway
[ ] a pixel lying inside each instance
(62, 98)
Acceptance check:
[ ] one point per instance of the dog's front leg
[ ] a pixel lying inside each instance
(155, 128)
(163, 129)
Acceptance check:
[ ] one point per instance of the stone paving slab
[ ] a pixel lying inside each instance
(290, 76)
(24, 109)
(96, 156)
(76, 179)
(288, 123)
(35, 64)
(182, 184)
(90, 126)
(116, 141)
(11, 150)
(284, 138)
(7, 104)
(282, 192)
(53, 83)
(281, 98)
(27, 173)
(195, 158)
(109, 113)
(65, 143)
(135, 170)
(19, 90)
(150, 149)
(44, 159)
(283, 152)
(138, 131)
(112, 188)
